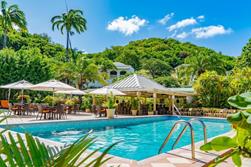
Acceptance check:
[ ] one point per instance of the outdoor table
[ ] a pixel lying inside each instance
(20, 108)
(49, 110)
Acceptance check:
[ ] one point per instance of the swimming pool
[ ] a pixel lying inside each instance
(139, 138)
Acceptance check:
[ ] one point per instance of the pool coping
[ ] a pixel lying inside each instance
(61, 145)
(103, 118)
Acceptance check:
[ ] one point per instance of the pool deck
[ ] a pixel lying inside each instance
(176, 158)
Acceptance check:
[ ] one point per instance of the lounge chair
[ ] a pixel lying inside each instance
(4, 104)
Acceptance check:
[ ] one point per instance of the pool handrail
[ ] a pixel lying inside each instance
(184, 129)
(171, 132)
(177, 111)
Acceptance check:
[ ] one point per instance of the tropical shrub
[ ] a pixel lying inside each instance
(168, 81)
(213, 89)
(26, 98)
(70, 102)
(52, 100)
(241, 80)
(29, 65)
(240, 145)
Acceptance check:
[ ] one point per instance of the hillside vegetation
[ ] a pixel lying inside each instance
(170, 51)
(36, 58)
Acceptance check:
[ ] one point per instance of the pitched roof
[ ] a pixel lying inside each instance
(138, 83)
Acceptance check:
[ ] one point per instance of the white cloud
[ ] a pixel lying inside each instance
(201, 17)
(210, 31)
(126, 26)
(182, 24)
(166, 18)
(182, 35)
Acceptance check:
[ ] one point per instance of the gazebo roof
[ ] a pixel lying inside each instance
(138, 83)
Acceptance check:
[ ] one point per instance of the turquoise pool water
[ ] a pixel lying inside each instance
(139, 138)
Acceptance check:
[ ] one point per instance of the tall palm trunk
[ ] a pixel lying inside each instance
(67, 46)
(5, 39)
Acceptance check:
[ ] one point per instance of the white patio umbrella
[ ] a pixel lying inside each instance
(52, 85)
(107, 91)
(20, 85)
(71, 92)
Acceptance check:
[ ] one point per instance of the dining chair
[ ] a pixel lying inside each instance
(41, 111)
(60, 112)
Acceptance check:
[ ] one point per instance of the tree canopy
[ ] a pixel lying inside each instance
(245, 58)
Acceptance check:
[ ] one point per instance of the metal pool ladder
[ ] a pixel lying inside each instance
(188, 124)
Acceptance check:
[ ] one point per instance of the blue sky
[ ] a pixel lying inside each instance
(223, 25)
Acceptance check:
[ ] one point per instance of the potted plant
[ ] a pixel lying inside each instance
(87, 104)
(110, 107)
(135, 105)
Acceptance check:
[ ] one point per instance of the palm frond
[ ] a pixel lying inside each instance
(28, 151)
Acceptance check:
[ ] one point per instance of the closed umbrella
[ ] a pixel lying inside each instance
(20, 85)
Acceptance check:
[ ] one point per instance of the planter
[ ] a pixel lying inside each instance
(150, 113)
(134, 112)
(87, 110)
(110, 113)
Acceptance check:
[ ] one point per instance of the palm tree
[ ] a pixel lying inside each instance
(71, 21)
(207, 62)
(198, 64)
(11, 18)
(80, 72)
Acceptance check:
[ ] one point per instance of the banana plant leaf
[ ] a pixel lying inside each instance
(242, 101)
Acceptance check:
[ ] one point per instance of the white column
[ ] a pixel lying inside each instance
(138, 96)
(173, 98)
(154, 102)
(93, 100)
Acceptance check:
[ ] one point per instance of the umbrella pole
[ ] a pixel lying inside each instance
(53, 91)
(9, 96)
(22, 102)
